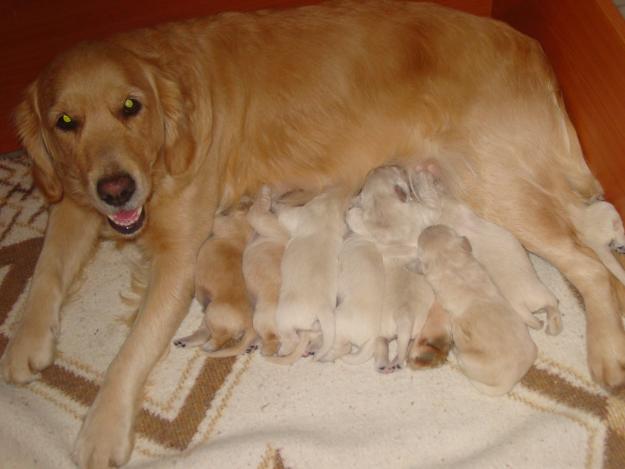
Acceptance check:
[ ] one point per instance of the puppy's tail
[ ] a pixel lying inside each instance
(296, 354)
(247, 340)
(362, 356)
(328, 332)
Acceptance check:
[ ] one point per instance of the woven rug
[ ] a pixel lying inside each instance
(245, 412)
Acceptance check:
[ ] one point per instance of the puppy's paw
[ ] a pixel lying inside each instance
(29, 351)
(180, 343)
(386, 369)
(429, 353)
(251, 348)
(106, 437)
(554, 322)
(606, 356)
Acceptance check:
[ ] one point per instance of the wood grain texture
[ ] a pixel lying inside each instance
(32, 32)
(585, 41)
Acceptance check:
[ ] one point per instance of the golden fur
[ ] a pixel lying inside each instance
(298, 98)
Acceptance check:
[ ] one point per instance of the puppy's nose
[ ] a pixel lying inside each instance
(117, 189)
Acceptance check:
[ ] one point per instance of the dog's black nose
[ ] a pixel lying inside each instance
(117, 189)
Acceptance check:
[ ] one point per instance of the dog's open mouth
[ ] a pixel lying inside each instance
(127, 221)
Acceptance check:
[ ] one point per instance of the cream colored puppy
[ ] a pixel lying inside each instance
(600, 227)
(261, 269)
(496, 249)
(492, 344)
(387, 212)
(359, 302)
(310, 275)
(220, 288)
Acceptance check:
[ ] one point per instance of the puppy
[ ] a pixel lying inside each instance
(220, 288)
(309, 270)
(496, 249)
(360, 300)
(600, 227)
(491, 342)
(261, 269)
(387, 212)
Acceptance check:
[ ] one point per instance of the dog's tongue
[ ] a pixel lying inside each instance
(126, 217)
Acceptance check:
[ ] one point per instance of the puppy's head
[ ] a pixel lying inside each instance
(95, 123)
(440, 243)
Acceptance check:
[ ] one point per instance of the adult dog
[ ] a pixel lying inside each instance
(145, 135)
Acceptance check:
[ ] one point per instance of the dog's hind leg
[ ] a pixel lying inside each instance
(554, 239)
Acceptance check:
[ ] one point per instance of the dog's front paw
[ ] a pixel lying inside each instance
(105, 438)
(606, 357)
(29, 351)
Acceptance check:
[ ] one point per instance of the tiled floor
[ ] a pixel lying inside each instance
(620, 4)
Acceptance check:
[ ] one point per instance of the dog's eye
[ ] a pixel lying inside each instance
(131, 107)
(66, 123)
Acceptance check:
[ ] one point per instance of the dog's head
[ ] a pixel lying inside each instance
(441, 244)
(96, 123)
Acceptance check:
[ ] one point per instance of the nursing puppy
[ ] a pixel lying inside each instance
(501, 254)
(220, 288)
(387, 212)
(309, 269)
(491, 342)
(600, 227)
(360, 300)
(261, 269)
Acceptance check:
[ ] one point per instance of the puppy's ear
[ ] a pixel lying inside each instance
(28, 123)
(402, 195)
(179, 148)
(465, 244)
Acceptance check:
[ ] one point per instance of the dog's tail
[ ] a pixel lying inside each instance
(296, 354)
(247, 340)
(327, 324)
(362, 356)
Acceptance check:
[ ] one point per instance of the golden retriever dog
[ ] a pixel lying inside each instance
(144, 136)
(220, 288)
(262, 259)
(492, 344)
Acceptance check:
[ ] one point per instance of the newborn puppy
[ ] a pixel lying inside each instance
(492, 344)
(360, 300)
(310, 275)
(220, 288)
(600, 227)
(496, 249)
(387, 212)
(261, 269)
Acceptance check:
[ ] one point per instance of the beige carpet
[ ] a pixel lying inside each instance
(248, 413)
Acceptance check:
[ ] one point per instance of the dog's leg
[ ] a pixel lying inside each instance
(605, 335)
(106, 436)
(72, 232)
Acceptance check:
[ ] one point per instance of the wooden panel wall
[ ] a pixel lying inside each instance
(32, 32)
(585, 41)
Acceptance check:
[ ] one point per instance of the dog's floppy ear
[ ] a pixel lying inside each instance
(179, 148)
(28, 122)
